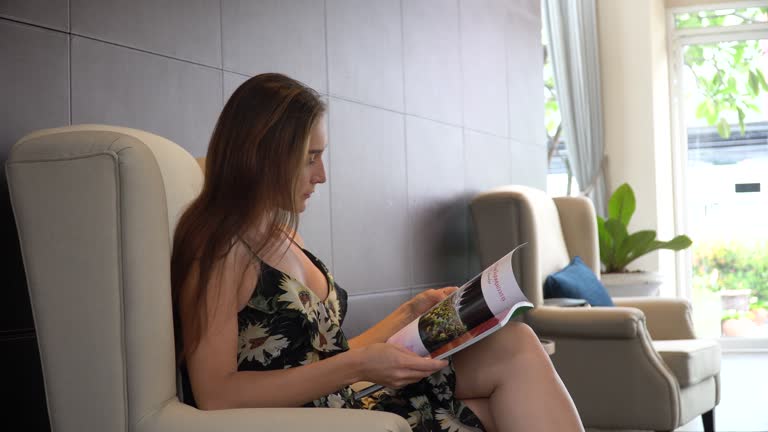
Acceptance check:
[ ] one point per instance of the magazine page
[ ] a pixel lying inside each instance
(474, 335)
(478, 333)
(477, 306)
(477, 309)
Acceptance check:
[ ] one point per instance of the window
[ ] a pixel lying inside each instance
(718, 58)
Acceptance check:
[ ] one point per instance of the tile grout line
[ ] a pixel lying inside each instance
(505, 38)
(69, 55)
(222, 69)
(329, 127)
(147, 52)
(221, 52)
(31, 24)
(506, 72)
(408, 213)
(467, 221)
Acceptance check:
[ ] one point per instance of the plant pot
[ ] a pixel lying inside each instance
(632, 284)
(739, 327)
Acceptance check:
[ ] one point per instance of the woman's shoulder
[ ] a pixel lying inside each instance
(242, 263)
(299, 241)
(293, 236)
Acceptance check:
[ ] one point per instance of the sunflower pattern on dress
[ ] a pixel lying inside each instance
(285, 324)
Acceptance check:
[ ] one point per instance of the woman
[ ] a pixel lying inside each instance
(258, 311)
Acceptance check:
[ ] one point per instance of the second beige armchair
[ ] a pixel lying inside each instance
(634, 366)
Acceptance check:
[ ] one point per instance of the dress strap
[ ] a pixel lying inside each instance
(247, 245)
(253, 252)
(294, 241)
(290, 237)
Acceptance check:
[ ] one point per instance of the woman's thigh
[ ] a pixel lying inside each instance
(486, 364)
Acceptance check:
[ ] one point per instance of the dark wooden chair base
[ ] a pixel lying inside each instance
(708, 418)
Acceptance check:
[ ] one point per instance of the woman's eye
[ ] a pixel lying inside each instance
(313, 158)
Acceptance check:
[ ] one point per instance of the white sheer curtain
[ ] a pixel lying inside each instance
(572, 28)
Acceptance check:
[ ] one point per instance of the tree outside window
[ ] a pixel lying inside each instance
(728, 74)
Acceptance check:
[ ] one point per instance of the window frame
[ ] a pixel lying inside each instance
(676, 40)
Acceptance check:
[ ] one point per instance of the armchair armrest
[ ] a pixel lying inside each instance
(602, 352)
(666, 318)
(178, 417)
(589, 323)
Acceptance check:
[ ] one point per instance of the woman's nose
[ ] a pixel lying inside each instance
(319, 175)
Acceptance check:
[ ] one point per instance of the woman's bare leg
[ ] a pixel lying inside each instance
(510, 377)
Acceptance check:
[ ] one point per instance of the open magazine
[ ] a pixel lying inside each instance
(478, 308)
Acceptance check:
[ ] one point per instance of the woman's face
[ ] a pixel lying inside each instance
(313, 171)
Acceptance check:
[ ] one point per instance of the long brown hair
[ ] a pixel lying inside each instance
(258, 146)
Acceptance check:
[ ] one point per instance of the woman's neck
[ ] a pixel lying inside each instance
(267, 243)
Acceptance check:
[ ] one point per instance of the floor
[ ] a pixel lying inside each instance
(743, 398)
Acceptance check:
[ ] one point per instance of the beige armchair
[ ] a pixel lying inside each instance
(95, 207)
(634, 366)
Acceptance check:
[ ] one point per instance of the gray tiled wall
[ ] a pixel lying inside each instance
(430, 102)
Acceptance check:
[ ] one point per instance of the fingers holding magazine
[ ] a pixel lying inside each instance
(425, 300)
(393, 366)
(476, 309)
(461, 317)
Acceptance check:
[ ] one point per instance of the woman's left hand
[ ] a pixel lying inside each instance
(401, 317)
(426, 299)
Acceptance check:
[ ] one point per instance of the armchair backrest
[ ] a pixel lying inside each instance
(556, 230)
(95, 208)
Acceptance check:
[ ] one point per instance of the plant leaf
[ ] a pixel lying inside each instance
(723, 128)
(676, 244)
(618, 232)
(761, 78)
(635, 246)
(711, 111)
(621, 205)
(754, 85)
(739, 54)
(741, 120)
(605, 241)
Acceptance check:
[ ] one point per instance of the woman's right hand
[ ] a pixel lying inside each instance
(394, 366)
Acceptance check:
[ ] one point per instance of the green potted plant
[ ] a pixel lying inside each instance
(618, 248)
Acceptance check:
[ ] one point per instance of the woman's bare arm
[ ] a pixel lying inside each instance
(385, 328)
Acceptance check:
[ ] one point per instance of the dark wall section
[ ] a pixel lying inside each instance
(429, 103)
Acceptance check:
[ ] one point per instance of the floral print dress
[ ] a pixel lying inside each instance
(285, 325)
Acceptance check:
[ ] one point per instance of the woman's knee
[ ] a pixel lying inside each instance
(514, 338)
(521, 336)
(521, 330)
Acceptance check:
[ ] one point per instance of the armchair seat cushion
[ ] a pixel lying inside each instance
(690, 360)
